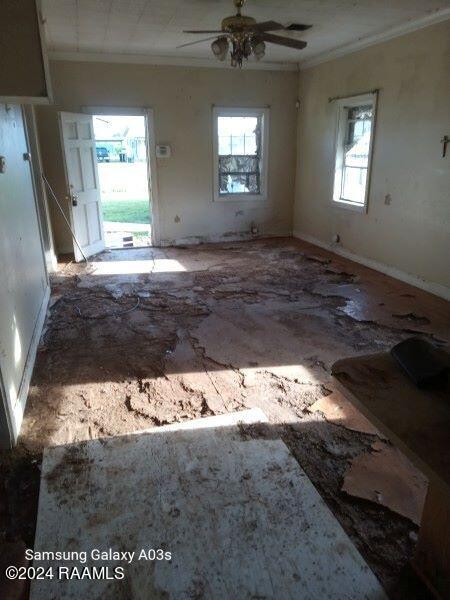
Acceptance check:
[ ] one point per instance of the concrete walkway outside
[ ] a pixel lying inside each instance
(115, 232)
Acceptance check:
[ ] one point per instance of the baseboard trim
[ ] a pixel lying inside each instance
(244, 236)
(433, 288)
(19, 408)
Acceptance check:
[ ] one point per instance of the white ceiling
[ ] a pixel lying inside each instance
(154, 27)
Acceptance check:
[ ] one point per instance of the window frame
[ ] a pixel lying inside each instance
(222, 111)
(342, 104)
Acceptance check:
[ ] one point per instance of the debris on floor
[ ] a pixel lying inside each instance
(232, 518)
(13, 553)
(387, 477)
(340, 411)
(149, 337)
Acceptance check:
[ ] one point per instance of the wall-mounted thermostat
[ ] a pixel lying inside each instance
(163, 151)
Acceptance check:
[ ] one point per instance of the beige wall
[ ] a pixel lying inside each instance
(412, 233)
(22, 61)
(182, 100)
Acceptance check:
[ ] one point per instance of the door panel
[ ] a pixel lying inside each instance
(82, 177)
(74, 168)
(89, 168)
(95, 231)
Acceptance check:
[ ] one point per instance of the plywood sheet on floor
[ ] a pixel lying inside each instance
(239, 515)
(387, 477)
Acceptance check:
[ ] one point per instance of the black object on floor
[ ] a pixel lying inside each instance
(426, 365)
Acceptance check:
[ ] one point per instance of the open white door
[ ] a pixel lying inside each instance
(78, 139)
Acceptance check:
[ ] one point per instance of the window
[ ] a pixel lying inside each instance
(354, 141)
(240, 153)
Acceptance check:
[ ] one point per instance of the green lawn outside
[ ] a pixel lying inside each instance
(126, 211)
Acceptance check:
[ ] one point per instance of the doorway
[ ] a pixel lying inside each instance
(121, 143)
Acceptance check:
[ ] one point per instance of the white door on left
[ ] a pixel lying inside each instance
(82, 178)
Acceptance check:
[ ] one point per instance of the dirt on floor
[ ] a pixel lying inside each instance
(147, 337)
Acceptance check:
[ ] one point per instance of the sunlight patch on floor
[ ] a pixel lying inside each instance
(136, 267)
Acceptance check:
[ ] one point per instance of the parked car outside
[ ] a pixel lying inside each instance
(102, 154)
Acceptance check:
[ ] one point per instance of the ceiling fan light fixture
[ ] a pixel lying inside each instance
(240, 36)
(220, 48)
(258, 48)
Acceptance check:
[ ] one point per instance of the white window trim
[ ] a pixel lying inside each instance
(244, 112)
(341, 123)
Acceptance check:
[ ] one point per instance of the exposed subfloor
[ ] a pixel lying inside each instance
(148, 337)
(267, 531)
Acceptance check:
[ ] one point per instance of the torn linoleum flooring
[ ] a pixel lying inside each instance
(199, 331)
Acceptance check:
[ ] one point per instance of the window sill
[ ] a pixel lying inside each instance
(240, 198)
(346, 204)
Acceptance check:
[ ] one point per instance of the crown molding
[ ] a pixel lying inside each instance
(432, 19)
(142, 59)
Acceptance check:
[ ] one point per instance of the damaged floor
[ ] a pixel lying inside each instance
(142, 338)
(247, 501)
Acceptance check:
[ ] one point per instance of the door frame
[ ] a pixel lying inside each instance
(46, 230)
(150, 142)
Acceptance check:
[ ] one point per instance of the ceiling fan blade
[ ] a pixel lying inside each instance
(298, 27)
(197, 42)
(266, 26)
(282, 41)
(203, 31)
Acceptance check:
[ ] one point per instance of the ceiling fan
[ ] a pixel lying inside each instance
(243, 36)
